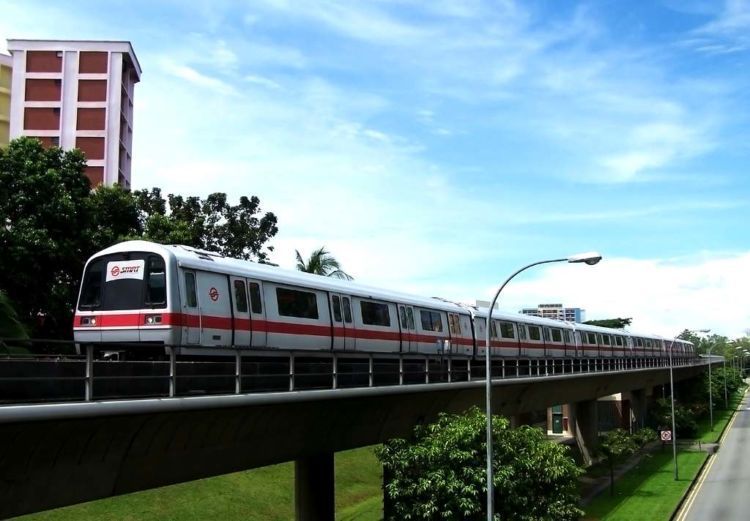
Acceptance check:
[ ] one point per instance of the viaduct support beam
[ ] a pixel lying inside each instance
(314, 488)
(586, 428)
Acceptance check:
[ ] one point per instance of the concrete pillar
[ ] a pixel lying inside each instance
(314, 488)
(586, 429)
(638, 408)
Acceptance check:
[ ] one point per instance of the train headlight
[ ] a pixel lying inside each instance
(153, 319)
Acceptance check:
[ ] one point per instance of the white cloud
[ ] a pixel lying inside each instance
(708, 290)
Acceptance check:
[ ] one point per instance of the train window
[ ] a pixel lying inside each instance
(431, 320)
(347, 310)
(454, 324)
(410, 317)
(375, 313)
(568, 337)
(556, 335)
(606, 340)
(521, 332)
(402, 314)
(156, 282)
(639, 342)
(298, 304)
(240, 296)
(493, 329)
(192, 299)
(336, 301)
(91, 294)
(506, 330)
(545, 333)
(591, 338)
(620, 341)
(255, 302)
(535, 333)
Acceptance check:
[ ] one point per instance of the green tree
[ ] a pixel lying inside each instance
(44, 212)
(211, 224)
(10, 326)
(440, 473)
(614, 323)
(616, 446)
(51, 222)
(321, 262)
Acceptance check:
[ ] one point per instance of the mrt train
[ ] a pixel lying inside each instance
(149, 296)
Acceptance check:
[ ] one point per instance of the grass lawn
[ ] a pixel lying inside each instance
(721, 418)
(648, 491)
(260, 494)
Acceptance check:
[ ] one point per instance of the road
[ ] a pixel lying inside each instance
(723, 492)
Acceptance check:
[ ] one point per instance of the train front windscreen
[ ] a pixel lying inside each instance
(124, 281)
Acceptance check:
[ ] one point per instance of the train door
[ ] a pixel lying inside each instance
(191, 320)
(214, 308)
(258, 324)
(241, 315)
(343, 328)
(408, 329)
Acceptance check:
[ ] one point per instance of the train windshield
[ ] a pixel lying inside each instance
(132, 280)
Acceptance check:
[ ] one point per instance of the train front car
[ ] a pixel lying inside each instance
(128, 300)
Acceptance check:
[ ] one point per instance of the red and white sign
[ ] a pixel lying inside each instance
(119, 270)
(214, 294)
(666, 435)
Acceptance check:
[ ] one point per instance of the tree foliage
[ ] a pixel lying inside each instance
(10, 326)
(321, 262)
(52, 222)
(614, 323)
(616, 446)
(440, 473)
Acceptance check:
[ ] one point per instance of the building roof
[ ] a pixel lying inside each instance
(122, 46)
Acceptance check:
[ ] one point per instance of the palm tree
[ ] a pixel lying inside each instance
(321, 262)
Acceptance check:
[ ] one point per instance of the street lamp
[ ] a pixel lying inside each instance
(710, 390)
(589, 258)
(671, 396)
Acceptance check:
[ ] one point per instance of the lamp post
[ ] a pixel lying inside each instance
(710, 387)
(671, 396)
(589, 258)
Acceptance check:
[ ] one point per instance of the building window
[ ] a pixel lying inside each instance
(92, 62)
(41, 118)
(92, 90)
(95, 175)
(91, 119)
(375, 313)
(431, 320)
(295, 303)
(93, 147)
(43, 89)
(43, 61)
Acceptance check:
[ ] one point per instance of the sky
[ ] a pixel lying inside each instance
(436, 147)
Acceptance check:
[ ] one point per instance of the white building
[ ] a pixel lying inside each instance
(77, 94)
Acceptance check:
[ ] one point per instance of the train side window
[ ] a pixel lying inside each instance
(556, 335)
(347, 310)
(431, 320)
(506, 330)
(156, 282)
(620, 341)
(298, 304)
(591, 338)
(375, 313)
(255, 302)
(493, 329)
(192, 299)
(606, 340)
(402, 315)
(336, 302)
(568, 337)
(454, 324)
(521, 332)
(534, 333)
(240, 296)
(546, 334)
(410, 317)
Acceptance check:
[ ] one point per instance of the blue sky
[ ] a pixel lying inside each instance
(435, 147)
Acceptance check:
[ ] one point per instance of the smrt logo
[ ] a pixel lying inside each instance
(214, 294)
(116, 270)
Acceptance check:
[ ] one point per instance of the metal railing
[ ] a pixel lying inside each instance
(32, 372)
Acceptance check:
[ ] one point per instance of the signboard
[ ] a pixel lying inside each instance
(119, 270)
(666, 435)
